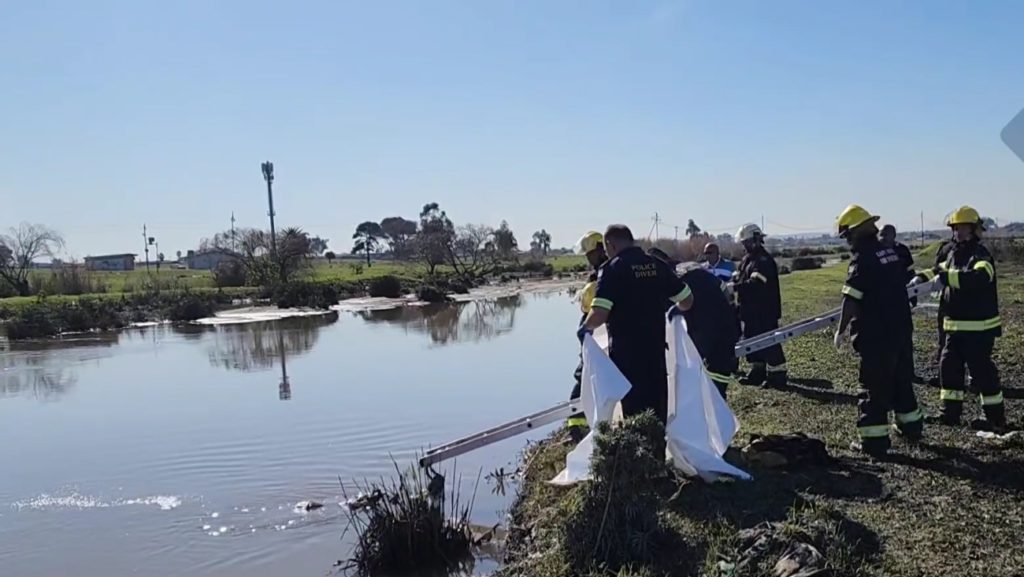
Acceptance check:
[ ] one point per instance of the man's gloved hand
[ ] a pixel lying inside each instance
(918, 279)
(674, 312)
(582, 332)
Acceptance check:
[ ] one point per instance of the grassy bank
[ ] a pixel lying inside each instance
(951, 505)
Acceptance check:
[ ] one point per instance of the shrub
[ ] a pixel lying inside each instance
(229, 273)
(386, 286)
(540, 267)
(431, 294)
(807, 263)
(409, 526)
(32, 322)
(306, 294)
(69, 280)
(784, 270)
(189, 307)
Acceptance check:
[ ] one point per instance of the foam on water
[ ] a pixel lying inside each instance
(75, 500)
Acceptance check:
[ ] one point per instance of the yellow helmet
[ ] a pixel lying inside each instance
(851, 218)
(589, 242)
(963, 215)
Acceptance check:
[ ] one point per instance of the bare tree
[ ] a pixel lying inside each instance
(253, 246)
(20, 247)
(473, 253)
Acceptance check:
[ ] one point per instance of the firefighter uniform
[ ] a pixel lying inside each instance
(586, 299)
(712, 326)
(941, 256)
(756, 284)
(591, 241)
(970, 325)
(633, 288)
(882, 335)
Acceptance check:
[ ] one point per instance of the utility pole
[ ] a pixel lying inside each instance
(145, 243)
(762, 224)
(657, 221)
(922, 229)
(268, 175)
(677, 232)
(234, 245)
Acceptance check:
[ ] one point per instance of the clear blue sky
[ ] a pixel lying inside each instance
(555, 114)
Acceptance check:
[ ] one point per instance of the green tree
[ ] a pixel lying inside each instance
(368, 237)
(433, 243)
(330, 256)
(318, 245)
(399, 233)
(541, 242)
(505, 242)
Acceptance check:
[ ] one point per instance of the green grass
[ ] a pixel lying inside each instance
(952, 505)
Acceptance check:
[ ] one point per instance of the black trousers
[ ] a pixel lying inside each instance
(973, 351)
(648, 379)
(886, 380)
(719, 356)
(772, 356)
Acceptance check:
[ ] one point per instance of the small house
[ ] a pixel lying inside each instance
(208, 259)
(116, 262)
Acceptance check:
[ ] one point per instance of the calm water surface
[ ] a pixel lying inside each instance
(183, 450)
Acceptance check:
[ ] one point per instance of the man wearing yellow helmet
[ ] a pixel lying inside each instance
(876, 308)
(971, 322)
(590, 245)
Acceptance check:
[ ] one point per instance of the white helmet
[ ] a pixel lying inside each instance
(749, 231)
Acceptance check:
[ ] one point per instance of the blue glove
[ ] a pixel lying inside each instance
(674, 312)
(582, 332)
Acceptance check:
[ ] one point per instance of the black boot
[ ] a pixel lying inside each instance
(756, 376)
(777, 379)
(951, 411)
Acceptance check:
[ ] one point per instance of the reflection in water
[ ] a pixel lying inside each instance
(46, 369)
(453, 323)
(261, 346)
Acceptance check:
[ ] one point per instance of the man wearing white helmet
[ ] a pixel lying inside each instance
(756, 284)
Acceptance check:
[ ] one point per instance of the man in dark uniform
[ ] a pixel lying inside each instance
(632, 288)
(875, 300)
(756, 285)
(971, 323)
(712, 326)
(887, 238)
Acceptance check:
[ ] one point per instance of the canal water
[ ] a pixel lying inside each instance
(170, 451)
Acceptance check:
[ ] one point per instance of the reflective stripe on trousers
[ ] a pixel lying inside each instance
(873, 431)
(911, 417)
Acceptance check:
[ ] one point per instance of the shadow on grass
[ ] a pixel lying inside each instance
(1004, 472)
(812, 383)
(818, 390)
(773, 492)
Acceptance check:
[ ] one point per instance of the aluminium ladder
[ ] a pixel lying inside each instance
(566, 409)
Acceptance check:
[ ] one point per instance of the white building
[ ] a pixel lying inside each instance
(208, 259)
(110, 262)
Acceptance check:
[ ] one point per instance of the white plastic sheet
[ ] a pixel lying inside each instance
(703, 425)
(700, 426)
(602, 386)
